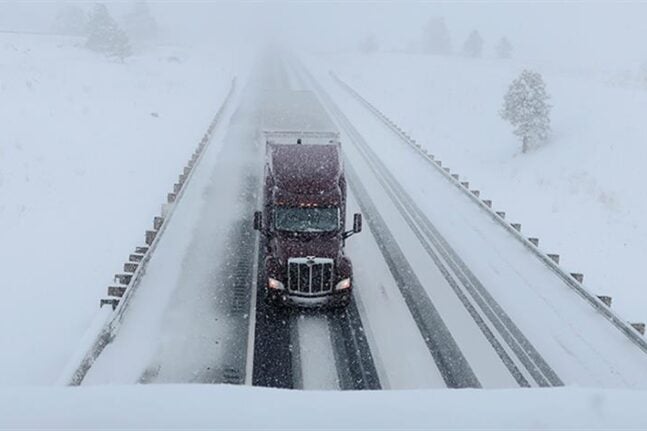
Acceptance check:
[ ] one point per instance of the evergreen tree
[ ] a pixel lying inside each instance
(473, 46)
(140, 24)
(526, 107)
(70, 19)
(369, 45)
(105, 36)
(504, 48)
(436, 38)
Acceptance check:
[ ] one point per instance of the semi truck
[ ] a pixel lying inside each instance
(303, 218)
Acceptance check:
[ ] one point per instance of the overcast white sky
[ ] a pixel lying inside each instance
(598, 33)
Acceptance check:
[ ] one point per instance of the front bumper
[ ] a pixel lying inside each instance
(335, 299)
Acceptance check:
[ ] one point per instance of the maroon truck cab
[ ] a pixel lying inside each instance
(303, 226)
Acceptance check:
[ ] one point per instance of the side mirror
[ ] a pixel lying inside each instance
(357, 223)
(258, 220)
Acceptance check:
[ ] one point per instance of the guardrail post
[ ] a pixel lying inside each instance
(465, 184)
(157, 222)
(488, 203)
(141, 249)
(639, 326)
(535, 241)
(117, 291)
(516, 226)
(501, 214)
(554, 257)
(606, 300)
(170, 198)
(130, 267)
(150, 236)
(136, 257)
(113, 302)
(123, 278)
(476, 193)
(455, 176)
(578, 276)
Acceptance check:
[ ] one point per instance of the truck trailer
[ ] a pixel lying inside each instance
(302, 222)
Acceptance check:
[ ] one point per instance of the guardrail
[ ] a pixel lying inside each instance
(115, 304)
(602, 303)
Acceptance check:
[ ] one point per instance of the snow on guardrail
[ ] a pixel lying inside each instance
(115, 304)
(634, 331)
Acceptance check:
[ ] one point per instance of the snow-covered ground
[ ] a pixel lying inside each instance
(581, 194)
(88, 150)
(235, 407)
(90, 147)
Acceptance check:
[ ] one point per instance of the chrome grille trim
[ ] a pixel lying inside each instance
(310, 276)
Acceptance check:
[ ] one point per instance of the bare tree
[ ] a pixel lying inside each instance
(526, 107)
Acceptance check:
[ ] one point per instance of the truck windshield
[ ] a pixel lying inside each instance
(307, 219)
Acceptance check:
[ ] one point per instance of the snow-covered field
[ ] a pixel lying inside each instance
(88, 150)
(581, 194)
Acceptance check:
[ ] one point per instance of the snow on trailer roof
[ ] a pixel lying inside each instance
(292, 112)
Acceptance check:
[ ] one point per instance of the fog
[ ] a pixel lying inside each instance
(600, 34)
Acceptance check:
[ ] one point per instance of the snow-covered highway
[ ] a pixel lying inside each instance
(444, 297)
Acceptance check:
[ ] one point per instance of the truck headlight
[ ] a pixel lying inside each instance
(344, 284)
(275, 284)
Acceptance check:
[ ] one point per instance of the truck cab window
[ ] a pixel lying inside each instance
(306, 219)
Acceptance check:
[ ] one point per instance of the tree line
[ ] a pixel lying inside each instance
(103, 33)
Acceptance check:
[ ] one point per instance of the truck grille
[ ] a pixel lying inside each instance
(310, 275)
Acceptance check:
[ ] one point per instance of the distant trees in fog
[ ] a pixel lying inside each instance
(503, 48)
(436, 39)
(526, 107)
(473, 46)
(103, 32)
(105, 36)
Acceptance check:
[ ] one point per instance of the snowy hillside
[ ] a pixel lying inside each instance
(89, 149)
(581, 194)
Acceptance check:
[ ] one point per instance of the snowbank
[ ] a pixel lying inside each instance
(197, 406)
(89, 149)
(581, 194)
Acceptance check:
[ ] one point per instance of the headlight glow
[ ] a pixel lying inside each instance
(275, 284)
(344, 284)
